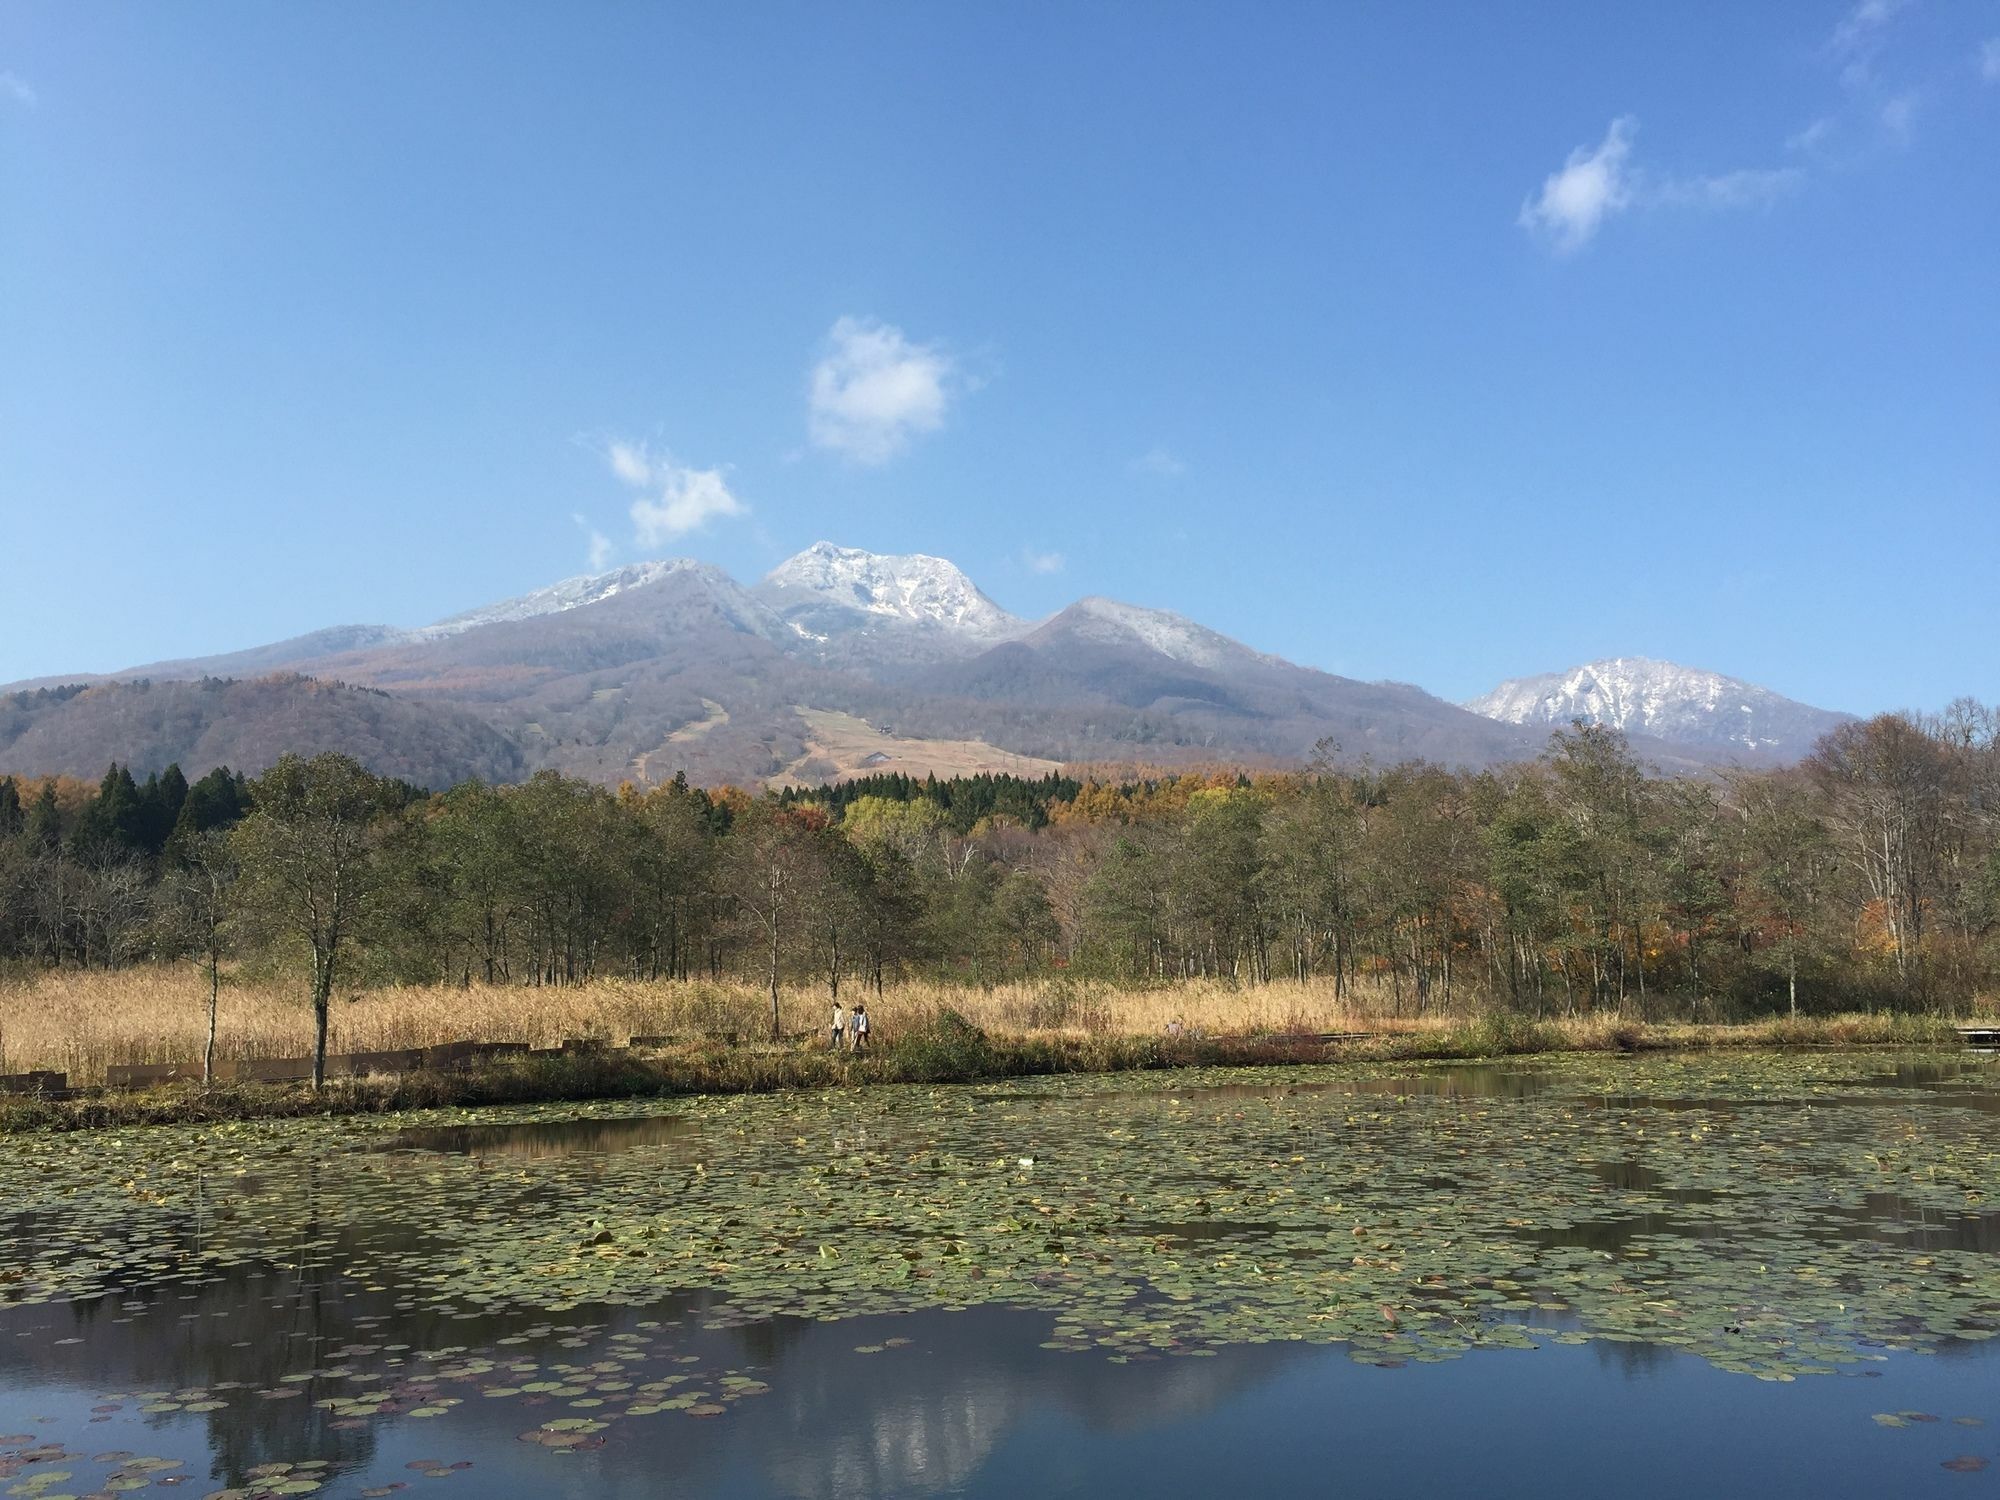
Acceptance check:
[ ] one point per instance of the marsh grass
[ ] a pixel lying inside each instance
(80, 1023)
(925, 1033)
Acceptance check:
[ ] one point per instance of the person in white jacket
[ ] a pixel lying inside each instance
(839, 1027)
(857, 1026)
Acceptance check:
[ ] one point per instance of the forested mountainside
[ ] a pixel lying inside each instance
(212, 722)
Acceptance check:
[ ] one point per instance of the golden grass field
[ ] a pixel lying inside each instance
(81, 1022)
(846, 743)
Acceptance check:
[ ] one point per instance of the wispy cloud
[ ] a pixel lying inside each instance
(1161, 463)
(1858, 38)
(1043, 562)
(1899, 115)
(1989, 59)
(597, 546)
(17, 90)
(676, 499)
(874, 390)
(1742, 189)
(1813, 136)
(1598, 182)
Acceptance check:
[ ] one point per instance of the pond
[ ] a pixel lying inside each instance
(1654, 1275)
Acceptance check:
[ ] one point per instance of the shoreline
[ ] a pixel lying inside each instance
(948, 1052)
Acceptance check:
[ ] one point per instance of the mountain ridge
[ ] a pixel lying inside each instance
(639, 671)
(1668, 701)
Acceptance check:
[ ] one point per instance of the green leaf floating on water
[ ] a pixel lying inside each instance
(1776, 1215)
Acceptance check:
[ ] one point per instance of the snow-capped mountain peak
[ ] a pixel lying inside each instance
(911, 588)
(1684, 705)
(1172, 635)
(570, 593)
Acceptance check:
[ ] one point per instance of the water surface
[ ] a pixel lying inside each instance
(1655, 1276)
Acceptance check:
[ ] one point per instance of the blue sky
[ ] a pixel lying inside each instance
(1438, 343)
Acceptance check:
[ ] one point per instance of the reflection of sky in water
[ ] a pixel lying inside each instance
(974, 1404)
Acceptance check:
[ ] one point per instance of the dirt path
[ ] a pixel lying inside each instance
(687, 733)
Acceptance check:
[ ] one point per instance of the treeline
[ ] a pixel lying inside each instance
(967, 801)
(1869, 875)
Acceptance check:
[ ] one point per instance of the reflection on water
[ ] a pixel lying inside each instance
(1895, 1219)
(306, 1349)
(963, 1403)
(1449, 1081)
(919, 1415)
(1884, 1218)
(1630, 1175)
(539, 1138)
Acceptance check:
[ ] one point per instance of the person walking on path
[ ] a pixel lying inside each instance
(858, 1026)
(839, 1027)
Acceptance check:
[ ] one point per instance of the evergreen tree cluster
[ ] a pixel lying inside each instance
(966, 800)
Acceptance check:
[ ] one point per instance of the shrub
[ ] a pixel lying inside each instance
(946, 1049)
(1501, 1034)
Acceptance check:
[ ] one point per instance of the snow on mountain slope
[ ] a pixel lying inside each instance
(1682, 705)
(571, 593)
(1110, 623)
(911, 589)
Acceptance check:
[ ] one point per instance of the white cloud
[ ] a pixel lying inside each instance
(1043, 562)
(874, 390)
(17, 90)
(1591, 186)
(1813, 136)
(1595, 184)
(631, 463)
(1860, 25)
(1744, 189)
(688, 501)
(1859, 36)
(1161, 463)
(1989, 59)
(678, 499)
(1899, 115)
(597, 546)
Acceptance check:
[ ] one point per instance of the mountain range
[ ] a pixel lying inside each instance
(837, 663)
(1660, 700)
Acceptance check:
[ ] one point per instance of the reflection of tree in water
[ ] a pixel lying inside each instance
(1634, 1361)
(1453, 1081)
(767, 1341)
(238, 1331)
(1897, 1220)
(528, 1140)
(246, 1326)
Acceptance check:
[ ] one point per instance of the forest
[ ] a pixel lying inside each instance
(1866, 877)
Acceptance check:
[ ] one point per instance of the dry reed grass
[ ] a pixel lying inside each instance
(80, 1023)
